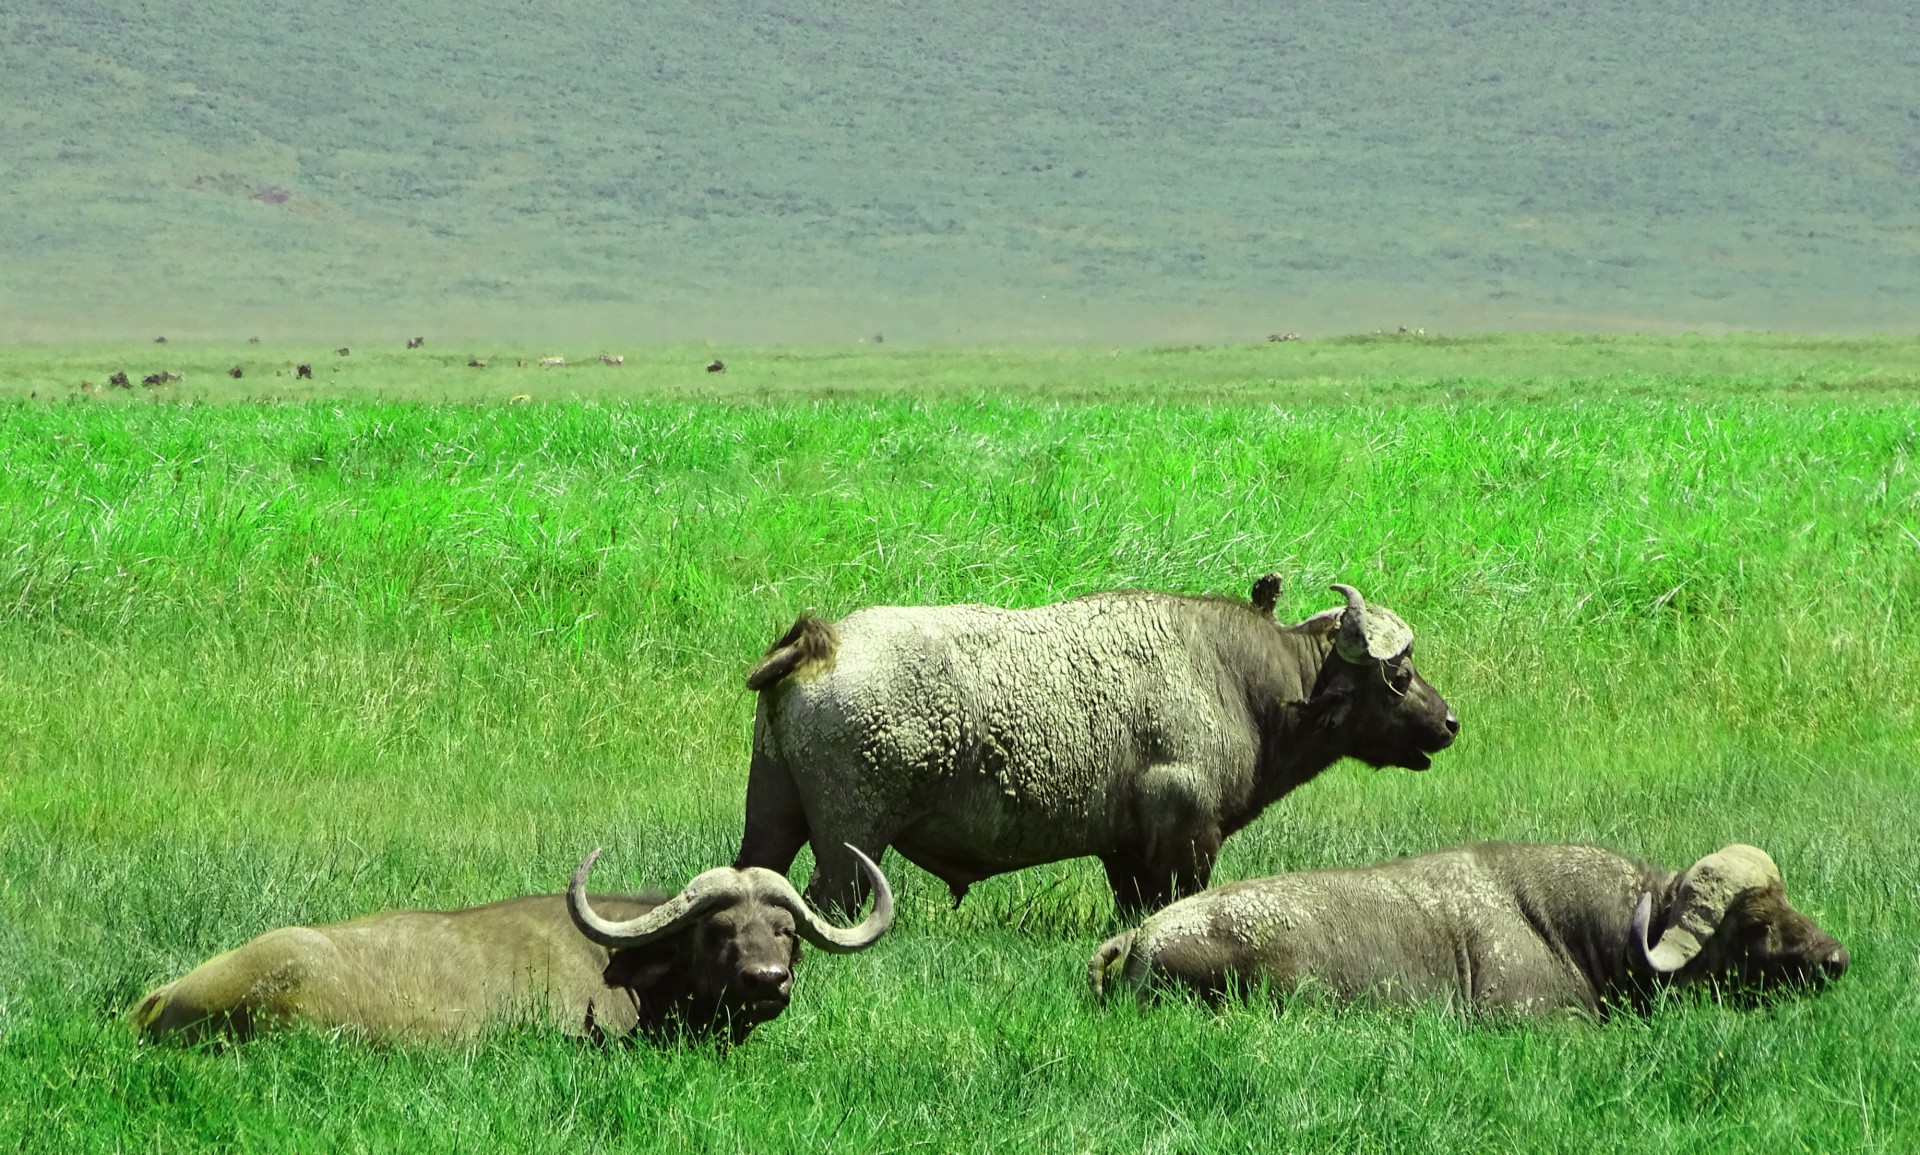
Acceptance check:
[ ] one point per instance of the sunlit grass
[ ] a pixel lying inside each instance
(264, 664)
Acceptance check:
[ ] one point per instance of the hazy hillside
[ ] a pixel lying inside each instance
(740, 168)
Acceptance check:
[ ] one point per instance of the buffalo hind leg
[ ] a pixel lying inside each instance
(776, 820)
(839, 888)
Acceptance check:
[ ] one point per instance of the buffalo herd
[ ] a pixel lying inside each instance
(1138, 728)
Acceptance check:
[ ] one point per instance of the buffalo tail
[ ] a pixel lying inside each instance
(811, 641)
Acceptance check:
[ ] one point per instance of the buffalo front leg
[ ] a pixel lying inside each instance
(776, 820)
(1137, 887)
(1147, 882)
(1193, 867)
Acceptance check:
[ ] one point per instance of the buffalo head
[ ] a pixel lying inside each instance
(1368, 689)
(721, 953)
(1729, 923)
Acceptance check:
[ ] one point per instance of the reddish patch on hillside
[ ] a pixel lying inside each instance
(273, 194)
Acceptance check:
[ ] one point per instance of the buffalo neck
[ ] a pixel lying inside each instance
(1592, 926)
(1636, 975)
(1293, 748)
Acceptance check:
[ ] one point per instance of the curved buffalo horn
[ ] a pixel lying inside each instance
(698, 896)
(1369, 633)
(1355, 603)
(1642, 915)
(1699, 903)
(824, 934)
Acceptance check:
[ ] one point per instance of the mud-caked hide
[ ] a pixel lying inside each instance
(1490, 926)
(1142, 728)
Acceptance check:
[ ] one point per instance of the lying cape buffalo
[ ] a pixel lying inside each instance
(1142, 728)
(717, 958)
(1491, 926)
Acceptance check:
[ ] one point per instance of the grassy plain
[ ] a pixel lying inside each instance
(1074, 170)
(271, 657)
(1388, 368)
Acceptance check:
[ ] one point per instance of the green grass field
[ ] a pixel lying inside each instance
(274, 654)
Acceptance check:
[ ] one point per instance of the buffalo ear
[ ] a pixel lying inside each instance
(640, 968)
(1266, 594)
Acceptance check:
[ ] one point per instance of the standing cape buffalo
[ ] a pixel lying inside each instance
(1496, 925)
(717, 958)
(1142, 728)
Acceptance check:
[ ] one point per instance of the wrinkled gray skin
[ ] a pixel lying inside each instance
(1492, 926)
(718, 965)
(1142, 728)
